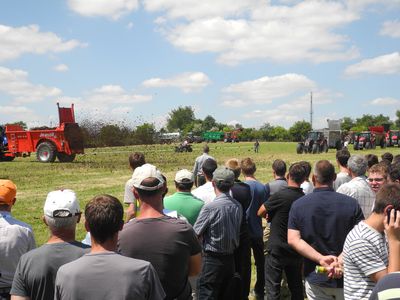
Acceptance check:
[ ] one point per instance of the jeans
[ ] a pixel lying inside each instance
(216, 274)
(257, 245)
(274, 266)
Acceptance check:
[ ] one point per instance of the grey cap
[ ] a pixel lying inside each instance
(224, 175)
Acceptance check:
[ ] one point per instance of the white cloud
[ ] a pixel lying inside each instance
(15, 83)
(5, 110)
(266, 89)
(234, 103)
(16, 41)
(61, 68)
(109, 95)
(391, 28)
(257, 30)
(274, 116)
(385, 64)
(385, 101)
(103, 8)
(187, 82)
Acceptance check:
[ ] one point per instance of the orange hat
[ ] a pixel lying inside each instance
(8, 190)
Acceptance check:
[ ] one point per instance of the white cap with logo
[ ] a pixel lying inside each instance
(61, 204)
(147, 171)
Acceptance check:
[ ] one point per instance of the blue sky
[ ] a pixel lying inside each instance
(247, 62)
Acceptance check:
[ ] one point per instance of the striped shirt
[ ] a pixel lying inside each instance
(219, 224)
(359, 189)
(365, 252)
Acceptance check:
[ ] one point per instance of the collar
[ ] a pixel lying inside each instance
(323, 189)
(295, 188)
(281, 178)
(5, 214)
(184, 193)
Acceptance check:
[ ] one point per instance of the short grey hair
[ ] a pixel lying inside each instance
(357, 164)
(61, 223)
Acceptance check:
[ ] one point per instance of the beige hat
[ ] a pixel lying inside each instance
(147, 171)
(183, 176)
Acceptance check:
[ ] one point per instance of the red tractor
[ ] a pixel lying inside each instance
(62, 142)
(376, 136)
(392, 138)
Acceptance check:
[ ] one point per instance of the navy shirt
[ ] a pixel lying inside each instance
(324, 218)
(258, 197)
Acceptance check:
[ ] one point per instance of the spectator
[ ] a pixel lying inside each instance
(136, 159)
(278, 172)
(394, 173)
(387, 288)
(169, 244)
(281, 257)
(372, 159)
(199, 176)
(35, 276)
(183, 200)
(342, 157)
(387, 156)
(377, 176)
(307, 186)
(218, 225)
(241, 192)
(102, 273)
(317, 228)
(396, 159)
(358, 187)
(206, 191)
(259, 196)
(16, 237)
(365, 253)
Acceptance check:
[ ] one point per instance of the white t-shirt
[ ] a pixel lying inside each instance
(307, 187)
(205, 192)
(128, 195)
(365, 252)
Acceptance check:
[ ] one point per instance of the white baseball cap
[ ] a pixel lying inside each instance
(61, 204)
(147, 171)
(184, 176)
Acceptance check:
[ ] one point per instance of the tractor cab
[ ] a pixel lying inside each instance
(364, 139)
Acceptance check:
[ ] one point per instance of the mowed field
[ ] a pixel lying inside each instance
(105, 170)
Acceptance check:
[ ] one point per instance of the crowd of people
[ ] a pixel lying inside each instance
(334, 236)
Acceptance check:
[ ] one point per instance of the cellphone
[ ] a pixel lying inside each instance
(388, 214)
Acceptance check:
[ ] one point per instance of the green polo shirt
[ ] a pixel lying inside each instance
(185, 204)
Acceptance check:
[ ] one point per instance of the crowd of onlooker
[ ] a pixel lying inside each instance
(312, 232)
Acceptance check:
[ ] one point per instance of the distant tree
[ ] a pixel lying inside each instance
(347, 123)
(279, 133)
(179, 118)
(371, 120)
(247, 134)
(20, 123)
(397, 121)
(208, 123)
(111, 135)
(299, 130)
(144, 134)
(265, 131)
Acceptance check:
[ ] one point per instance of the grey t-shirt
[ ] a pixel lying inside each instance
(108, 275)
(36, 271)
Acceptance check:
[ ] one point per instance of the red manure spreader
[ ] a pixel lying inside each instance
(62, 142)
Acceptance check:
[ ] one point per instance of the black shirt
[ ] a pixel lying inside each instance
(278, 207)
(241, 193)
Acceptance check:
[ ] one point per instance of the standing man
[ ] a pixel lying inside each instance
(358, 187)
(281, 257)
(317, 228)
(372, 248)
(199, 177)
(35, 276)
(218, 225)
(183, 200)
(259, 196)
(102, 273)
(169, 244)
(206, 191)
(256, 146)
(342, 157)
(16, 237)
(278, 172)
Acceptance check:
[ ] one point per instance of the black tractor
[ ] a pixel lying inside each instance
(315, 142)
(184, 148)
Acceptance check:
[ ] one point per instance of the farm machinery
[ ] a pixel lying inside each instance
(392, 138)
(318, 141)
(62, 142)
(370, 139)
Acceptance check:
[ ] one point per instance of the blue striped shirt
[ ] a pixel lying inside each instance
(219, 224)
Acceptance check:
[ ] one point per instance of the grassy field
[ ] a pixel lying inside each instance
(105, 170)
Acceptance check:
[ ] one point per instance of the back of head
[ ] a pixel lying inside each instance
(396, 159)
(224, 179)
(8, 192)
(208, 167)
(389, 194)
(342, 156)
(307, 167)
(233, 164)
(324, 172)
(136, 159)
(184, 180)
(387, 156)
(206, 149)
(248, 166)
(357, 164)
(279, 167)
(380, 168)
(104, 217)
(297, 173)
(61, 210)
(394, 172)
(372, 159)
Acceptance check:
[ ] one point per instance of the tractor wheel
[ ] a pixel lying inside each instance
(6, 158)
(314, 148)
(299, 148)
(63, 157)
(339, 145)
(46, 152)
(325, 148)
(383, 144)
(368, 145)
(355, 146)
(190, 149)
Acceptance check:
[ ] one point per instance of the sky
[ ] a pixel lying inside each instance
(240, 61)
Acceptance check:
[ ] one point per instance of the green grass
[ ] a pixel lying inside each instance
(105, 170)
